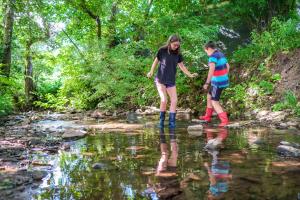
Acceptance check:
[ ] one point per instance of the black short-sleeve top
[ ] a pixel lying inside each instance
(168, 62)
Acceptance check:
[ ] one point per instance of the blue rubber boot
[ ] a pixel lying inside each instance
(162, 117)
(172, 120)
(162, 135)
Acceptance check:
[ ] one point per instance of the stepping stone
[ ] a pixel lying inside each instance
(197, 127)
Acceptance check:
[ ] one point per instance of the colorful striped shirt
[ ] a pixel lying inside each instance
(220, 77)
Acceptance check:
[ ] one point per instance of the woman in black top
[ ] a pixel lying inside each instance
(168, 57)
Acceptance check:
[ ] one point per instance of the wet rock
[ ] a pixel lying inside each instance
(269, 116)
(184, 114)
(26, 122)
(197, 127)
(213, 143)
(234, 125)
(131, 117)
(117, 127)
(99, 166)
(148, 111)
(282, 125)
(39, 175)
(288, 151)
(20, 180)
(39, 163)
(52, 149)
(73, 133)
(292, 144)
(65, 146)
(198, 121)
(97, 114)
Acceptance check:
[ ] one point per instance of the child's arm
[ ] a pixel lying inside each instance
(210, 74)
(154, 64)
(228, 66)
(186, 71)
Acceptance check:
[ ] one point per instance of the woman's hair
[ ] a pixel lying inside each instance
(211, 45)
(172, 38)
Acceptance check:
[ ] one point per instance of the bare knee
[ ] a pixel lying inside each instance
(174, 100)
(164, 100)
(215, 103)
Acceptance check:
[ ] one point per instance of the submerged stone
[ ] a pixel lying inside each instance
(288, 151)
(197, 127)
(72, 134)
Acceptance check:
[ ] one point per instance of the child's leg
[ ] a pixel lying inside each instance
(217, 106)
(209, 109)
(208, 101)
(173, 98)
(162, 91)
(215, 97)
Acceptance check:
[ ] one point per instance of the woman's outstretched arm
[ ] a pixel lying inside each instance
(186, 71)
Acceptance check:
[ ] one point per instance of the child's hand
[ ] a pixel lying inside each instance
(206, 164)
(149, 75)
(205, 86)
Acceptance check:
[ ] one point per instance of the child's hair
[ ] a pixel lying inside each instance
(211, 45)
(172, 38)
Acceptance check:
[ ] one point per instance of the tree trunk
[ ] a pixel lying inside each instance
(112, 26)
(7, 39)
(85, 9)
(141, 28)
(99, 31)
(29, 87)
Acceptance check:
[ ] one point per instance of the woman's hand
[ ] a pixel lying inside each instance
(193, 75)
(150, 74)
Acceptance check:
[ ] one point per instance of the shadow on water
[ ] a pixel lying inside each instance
(167, 164)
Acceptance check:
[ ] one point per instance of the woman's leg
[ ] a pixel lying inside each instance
(162, 91)
(163, 103)
(173, 98)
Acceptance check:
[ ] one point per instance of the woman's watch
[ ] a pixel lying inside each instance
(206, 83)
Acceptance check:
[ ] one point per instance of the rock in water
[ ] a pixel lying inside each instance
(99, 166)
(132, 117)
(291, 144)
(72, 133)
(288, 151)
(213, 143)
(38, 175)
(197, 127)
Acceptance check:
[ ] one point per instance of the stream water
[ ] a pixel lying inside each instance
(164, 164)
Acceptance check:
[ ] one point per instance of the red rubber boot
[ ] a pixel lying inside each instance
(208, 114)
(224, 119)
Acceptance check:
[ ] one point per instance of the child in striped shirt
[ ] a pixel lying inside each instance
(218, 80)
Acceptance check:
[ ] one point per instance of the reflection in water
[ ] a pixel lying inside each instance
(150, 166)
(218, 170)
(167, 185)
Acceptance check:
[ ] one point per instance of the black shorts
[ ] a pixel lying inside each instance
(215, 93)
